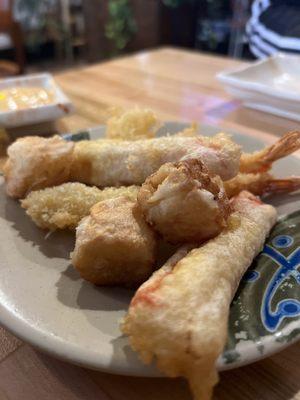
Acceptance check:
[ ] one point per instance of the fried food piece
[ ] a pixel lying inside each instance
(134, 124)
(114, 245)
(65, 205)
(184, 203)
(180, 315)
(261, 161)
(35, 162)
(130, 163)
(261, 184)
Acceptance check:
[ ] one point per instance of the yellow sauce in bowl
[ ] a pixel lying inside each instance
(20, 98)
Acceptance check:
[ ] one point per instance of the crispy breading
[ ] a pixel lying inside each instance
(35, 162)
(130, 163)
(184, 203)
(65, 205)
(179, 316)
(134, 124)
(114, 245)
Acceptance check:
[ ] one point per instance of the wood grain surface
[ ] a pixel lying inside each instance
(178, 85)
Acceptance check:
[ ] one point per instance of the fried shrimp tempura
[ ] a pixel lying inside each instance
(65, 205)
(114, 245)
(130, 163)
(134, 124)
(261, 184)
(261, 161)
(179, 316)
(184, 203)
(35, 162)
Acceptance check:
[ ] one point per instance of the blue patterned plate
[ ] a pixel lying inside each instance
(44, 301)
(265, 313)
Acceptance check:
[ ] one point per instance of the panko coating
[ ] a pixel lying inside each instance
(65, 205)
(134, 124)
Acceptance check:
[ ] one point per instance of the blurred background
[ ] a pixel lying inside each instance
(56, 34)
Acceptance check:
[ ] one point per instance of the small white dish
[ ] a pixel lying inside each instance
(60, 107)
(271, 85)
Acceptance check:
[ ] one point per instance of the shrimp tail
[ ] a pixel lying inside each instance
(261, 184)
(277, 186)
(262, 160)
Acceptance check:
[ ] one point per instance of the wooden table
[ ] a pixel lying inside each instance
(177, 85)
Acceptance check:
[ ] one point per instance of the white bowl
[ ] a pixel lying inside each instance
(61, 106)
(271, 85)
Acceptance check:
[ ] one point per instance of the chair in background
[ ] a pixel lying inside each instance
(11, 37)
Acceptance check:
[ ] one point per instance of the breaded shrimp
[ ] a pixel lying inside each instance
(261, 161)
(184, 203)
(179, 316)
(134, 124)
(130, 163)
(65, 205)
(114, 245)
(35, 162)
(261, 184)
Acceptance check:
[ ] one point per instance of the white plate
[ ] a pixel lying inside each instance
(44, 301)
(61, 106)
(271, 85)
